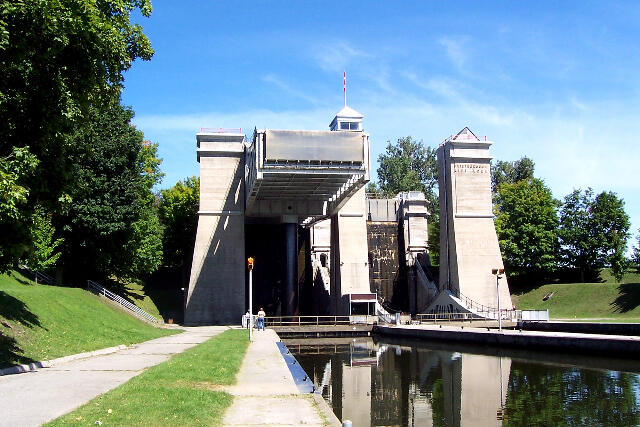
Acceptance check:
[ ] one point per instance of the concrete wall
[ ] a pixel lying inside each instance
(217, 285)
(383, 260)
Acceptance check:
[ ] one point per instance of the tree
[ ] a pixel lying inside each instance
(58, 60)
(636, 253)
(526, 224)
(178, 212)
(45, 246)
(407, 166)
(410, 166)
(15, 171)
(511, 172)
(110, 227)
(593, 231)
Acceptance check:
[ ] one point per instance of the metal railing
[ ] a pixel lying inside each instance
(220, 130)
(39, 276)
(134, 309)
(510, 315)
(318, 320)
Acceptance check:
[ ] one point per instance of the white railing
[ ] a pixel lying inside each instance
(534, 315)
(134, 309)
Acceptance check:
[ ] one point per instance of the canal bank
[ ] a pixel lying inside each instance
(619, 345)
(267, 393)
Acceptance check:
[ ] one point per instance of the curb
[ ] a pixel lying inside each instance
(34, 366)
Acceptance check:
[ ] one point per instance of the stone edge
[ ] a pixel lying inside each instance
(34, 366)
(325, 410)
(321, 405)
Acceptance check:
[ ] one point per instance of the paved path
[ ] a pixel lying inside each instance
(266, 394)
(34, 398)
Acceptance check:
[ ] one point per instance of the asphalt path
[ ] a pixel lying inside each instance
(33, 398)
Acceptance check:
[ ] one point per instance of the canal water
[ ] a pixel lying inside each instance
(407, 383)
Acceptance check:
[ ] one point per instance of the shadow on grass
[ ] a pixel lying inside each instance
(628, 298)
(12, 309)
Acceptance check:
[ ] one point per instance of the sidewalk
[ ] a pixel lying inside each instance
(266, 393)
(33, 398)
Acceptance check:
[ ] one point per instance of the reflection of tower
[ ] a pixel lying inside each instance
(356, 391)
(481, 379)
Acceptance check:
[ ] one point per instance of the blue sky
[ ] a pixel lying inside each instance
(558, 82)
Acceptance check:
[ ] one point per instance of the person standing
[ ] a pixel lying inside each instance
(261, 315)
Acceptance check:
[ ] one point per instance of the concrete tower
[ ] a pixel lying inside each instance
(216, 288)
(469, 247)
(349, 246)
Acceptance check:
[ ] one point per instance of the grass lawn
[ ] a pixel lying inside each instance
(185, 390)
(607, 301)
(39, 322)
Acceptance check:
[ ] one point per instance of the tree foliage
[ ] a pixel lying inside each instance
(15, 171)
(58, 60)
(179, 215)
(593, 232)
(511, 172)
(407, 166)
(45, 251)
(410, 166)
(636, 253)
(526, 224)
(111, 227)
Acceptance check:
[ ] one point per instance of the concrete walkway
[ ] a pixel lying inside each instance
(33, 398)
(266, 394)
(607, 345)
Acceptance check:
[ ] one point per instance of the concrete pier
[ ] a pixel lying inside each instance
(608, 345)
(266, 393)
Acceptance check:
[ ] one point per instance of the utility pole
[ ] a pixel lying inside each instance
(250, 267)
(498, 273)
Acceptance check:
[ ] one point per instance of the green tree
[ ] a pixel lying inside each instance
(593, 231)
(511, 172)
(15, 171)
(526, 224)
(179, 215)
(407, 166)
(636, 254)
(372, 190)
(58, 59)
(45, 251)
(111, 226)
(410, 166)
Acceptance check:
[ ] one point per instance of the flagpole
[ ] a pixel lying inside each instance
(344, 86)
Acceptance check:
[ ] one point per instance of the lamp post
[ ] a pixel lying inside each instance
(498, 272)
(250, 267)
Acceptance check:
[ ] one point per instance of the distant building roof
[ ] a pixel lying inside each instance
(349, 112)
(465, 135)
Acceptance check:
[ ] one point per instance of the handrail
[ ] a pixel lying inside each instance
(40, 276)
(453, 316)
(220, 130)
(99, 290)
(316, 320)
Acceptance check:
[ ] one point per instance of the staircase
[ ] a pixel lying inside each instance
(97, 289)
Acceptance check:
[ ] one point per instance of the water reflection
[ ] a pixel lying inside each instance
(410, 384)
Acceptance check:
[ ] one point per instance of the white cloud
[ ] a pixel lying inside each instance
(285, 87)
(455, 50)
(337, 55)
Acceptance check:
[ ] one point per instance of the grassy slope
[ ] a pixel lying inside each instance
(49, 321)
(607, 300)
(185, 390)
(136, 294)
